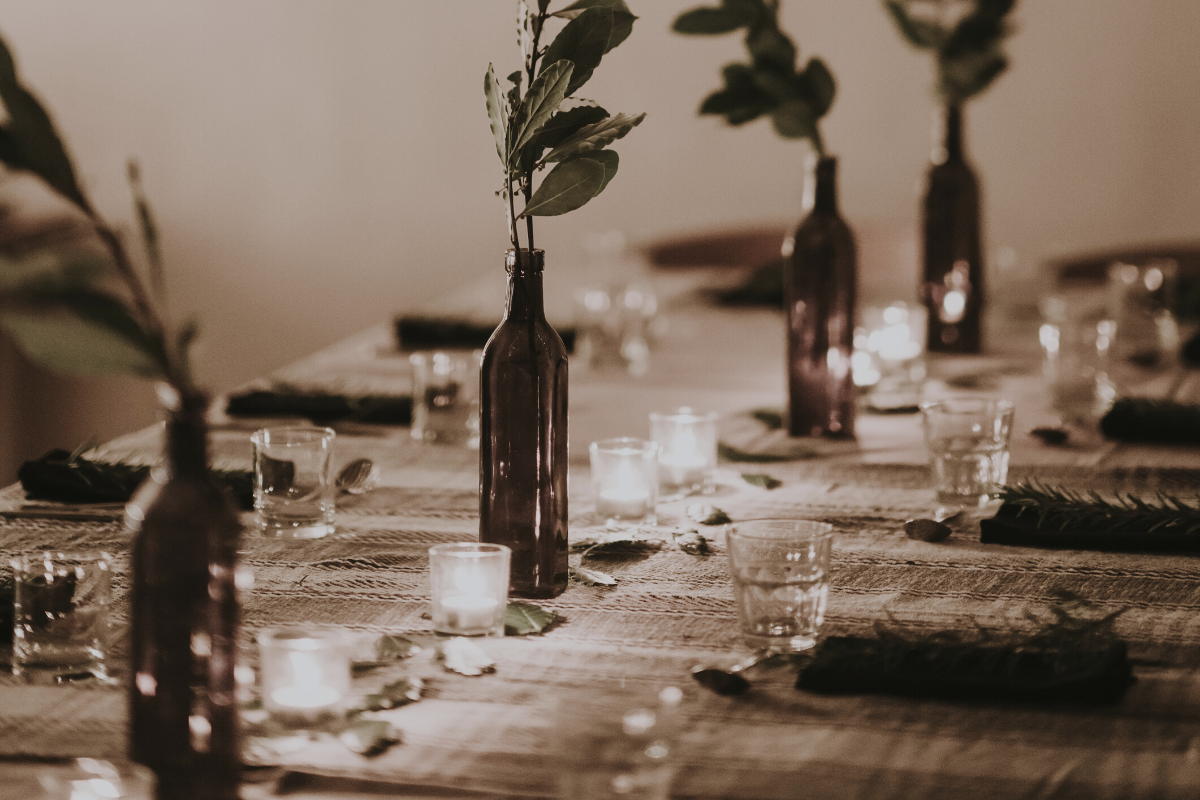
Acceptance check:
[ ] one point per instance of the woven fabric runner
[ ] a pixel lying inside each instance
(670, 610)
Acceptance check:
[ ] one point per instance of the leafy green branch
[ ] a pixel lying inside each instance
(69, 304)
(1059, 508)
(968, 47)
(771, 84)
(535, 129)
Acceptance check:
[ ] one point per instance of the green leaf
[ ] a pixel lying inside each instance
(394, 648)
(795, 119)
(623, 18)
(369, 737)
(771, 417)
(497, 113)
(741, 100)
(592, 577)
(522, 619)
(583, 42)
(960, 79)
(770, 46)
(765, 481)
(917, 32)
(607, 159)
(393, 695)
(567, 187)
(69, 343)
(692, 542)
(820, 86)
(514, 94)
(49, 272)
(727, 452)
(706, 514)
(595, 136)
(565, 123)
(463, 656)
(545, 95)
(710, 21)
(780, 87)
(32, 134)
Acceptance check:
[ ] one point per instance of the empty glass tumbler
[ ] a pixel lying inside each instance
(780, 570)
(60, 615)
(968, 447)
(293, 484)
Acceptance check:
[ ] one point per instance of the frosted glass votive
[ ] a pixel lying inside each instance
(305, 676)
(469, 588)
(625, 479)
(687, 453)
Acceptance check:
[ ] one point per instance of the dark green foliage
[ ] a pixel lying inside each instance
(770, 84)
(969, 52)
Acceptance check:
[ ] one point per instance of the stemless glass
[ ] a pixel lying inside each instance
(293, 487)
(968, 447)
(60, 615)
(780, 570)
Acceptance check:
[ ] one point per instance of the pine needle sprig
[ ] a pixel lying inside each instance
(1059, 508)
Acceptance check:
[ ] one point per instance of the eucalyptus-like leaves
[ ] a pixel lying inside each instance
(966, 39)
(544, 126)
(771, 84)
(70, 296)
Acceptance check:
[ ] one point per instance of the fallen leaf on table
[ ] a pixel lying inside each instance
(727, 452)
(394, 648)
(463, 656)
(627, 537)
(765, 481)
(522, 619)
(394, 695)
(592, 577)
(771, 417)
(370, 737)
(692, 542)
(706, 514)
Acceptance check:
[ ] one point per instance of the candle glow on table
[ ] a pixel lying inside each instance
(469, 588)
(688, 448)
(305, 676)
(889, 350)
(625, 479)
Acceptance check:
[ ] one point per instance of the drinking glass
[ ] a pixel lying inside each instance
(446, 397)
(60, 615)
(305, 676)
(780, 570)
(968, 447)
(1141, 301)
(1075, 364)
(687, 449)
(293, 487)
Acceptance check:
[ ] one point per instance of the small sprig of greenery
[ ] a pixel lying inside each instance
(548, 125)
(771, 84)
(1059, 508)
(70, 305)
(966, 37)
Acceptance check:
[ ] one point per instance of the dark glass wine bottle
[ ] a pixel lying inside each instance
(184, 617)
(952, 288)
(820, 287)
(523, 436)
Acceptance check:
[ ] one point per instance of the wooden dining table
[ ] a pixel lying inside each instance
(514, 732)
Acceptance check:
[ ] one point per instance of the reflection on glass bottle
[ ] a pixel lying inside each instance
(523, 436)
(820, 286)
(184, 618)
(952, 288)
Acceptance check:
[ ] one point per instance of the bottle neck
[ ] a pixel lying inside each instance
(948, 138)
(525, 286)
(187, 440)
(823, 185)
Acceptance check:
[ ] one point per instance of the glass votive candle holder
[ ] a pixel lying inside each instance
(469, 588)
(625, 479)
(687, 449)
(305, 677)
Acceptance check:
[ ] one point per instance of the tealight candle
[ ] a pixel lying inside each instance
(305, 676)
(469, 588)
(687, 444)
(625, 479)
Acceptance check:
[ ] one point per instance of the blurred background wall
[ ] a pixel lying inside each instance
(318, 165)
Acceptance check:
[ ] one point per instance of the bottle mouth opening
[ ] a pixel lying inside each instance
(532, 261)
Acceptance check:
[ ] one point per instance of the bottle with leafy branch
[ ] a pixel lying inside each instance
(966, 38)
(73, 300)
(820, 260)
(540, 126)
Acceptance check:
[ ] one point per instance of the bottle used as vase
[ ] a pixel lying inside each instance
(523, 436)
(819, 290)
(952, 285)
(184, 617)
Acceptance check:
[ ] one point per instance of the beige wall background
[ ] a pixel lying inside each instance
(318, 165)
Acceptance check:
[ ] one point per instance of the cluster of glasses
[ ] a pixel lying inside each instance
(629, 475)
